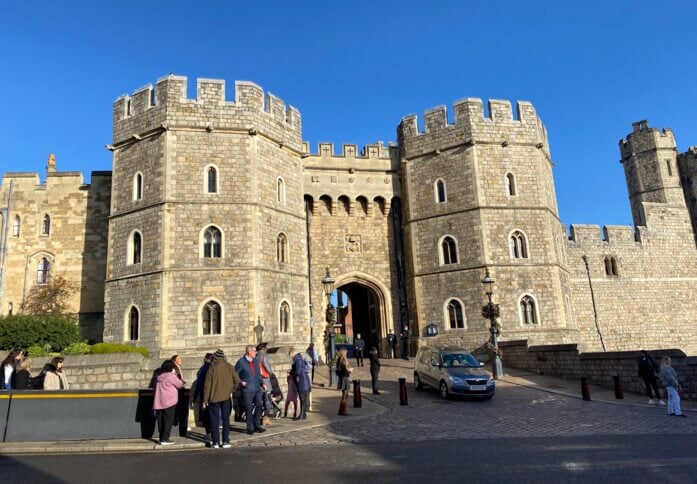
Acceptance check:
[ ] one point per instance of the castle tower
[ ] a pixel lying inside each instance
(650, 167)
(479, 194)
(207, 227)
(687, 162)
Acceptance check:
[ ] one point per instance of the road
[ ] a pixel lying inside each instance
(615, 458)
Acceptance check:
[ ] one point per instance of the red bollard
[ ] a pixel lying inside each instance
(619, 390)
(403, 392)
(585, 389)
(357, 402)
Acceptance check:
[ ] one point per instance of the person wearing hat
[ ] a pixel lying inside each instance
(221, 381)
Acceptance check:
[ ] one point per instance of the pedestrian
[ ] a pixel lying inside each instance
(391, 345)
(291, 396)
(299, 370)
(177, 362)
(358, 348)
(7, 368)
(266, 372)
(248, 370)
(670, 380)
(166, 398)
(314, 357)
(374, 359)
(54, 378)
(21, 379)
(343, 371)
(406, 336)
(648, 369)
(204, 414)
(221, 382)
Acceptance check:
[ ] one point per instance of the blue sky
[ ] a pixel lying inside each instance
(354, 69)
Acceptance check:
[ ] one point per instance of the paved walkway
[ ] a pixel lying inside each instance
(525, 405)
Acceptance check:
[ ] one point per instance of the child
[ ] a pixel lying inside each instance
(670, 379)
(292, 396)
(166, 398)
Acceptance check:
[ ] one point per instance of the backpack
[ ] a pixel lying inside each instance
(37, 382)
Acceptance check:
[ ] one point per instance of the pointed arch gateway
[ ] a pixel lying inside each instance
(367, 308)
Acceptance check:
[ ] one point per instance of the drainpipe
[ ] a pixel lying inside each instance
(595, 308)
(308, 228)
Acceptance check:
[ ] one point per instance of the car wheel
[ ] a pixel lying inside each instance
(417, 382)
(444, 390)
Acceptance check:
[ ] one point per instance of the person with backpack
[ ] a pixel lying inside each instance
(299, 371)
(165, 400)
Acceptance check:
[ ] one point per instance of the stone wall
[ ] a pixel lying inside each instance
(565, 361)
(132, 370)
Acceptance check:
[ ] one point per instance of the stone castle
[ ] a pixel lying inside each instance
(216, 225)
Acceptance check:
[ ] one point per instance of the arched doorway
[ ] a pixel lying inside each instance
(364, 308)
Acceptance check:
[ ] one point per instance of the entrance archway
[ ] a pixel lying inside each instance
(365, 308)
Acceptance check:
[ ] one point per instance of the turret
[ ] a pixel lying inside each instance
(649, 159)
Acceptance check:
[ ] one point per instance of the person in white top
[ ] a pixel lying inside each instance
(7, 368)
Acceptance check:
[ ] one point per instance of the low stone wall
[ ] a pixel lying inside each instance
(132, 370)
(565, 361)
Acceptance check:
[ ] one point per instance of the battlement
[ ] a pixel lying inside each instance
(591, 235)
(376, 150)
(500, 125)
(644, 138)
(148, 107)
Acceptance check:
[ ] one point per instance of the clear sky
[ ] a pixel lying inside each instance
(354, 69)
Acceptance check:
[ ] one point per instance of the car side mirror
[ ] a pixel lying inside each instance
(481, 363)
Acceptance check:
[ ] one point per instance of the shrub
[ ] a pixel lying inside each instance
(79, 348)
(36, 351)
(106, 348)
(51, 331)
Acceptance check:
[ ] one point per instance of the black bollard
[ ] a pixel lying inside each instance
(585, 389)
(357, 403)
(619, 390)
(403, 392)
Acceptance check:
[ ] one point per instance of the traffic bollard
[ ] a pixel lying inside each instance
(585, 389)
(619, 390)
(357, 403)
(403, 392)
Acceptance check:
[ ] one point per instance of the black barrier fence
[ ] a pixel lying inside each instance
(41, 415)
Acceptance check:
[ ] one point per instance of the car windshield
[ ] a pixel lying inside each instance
(460, 359)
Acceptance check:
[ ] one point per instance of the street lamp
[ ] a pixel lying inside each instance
(328, 286)
(491, 311)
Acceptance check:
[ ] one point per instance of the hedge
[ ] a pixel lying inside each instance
(52, 332)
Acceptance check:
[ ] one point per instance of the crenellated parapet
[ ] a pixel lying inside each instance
(643, 138)
(471, 125)
(166, 106)
(615, 235)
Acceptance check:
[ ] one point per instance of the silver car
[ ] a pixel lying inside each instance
(452, 372)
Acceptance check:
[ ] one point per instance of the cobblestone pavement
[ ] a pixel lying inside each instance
(515, 411)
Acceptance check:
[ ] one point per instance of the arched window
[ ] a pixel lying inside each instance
(439, 191)
(212, 242)
(448, 250)
(211, 179)
(518, 245)
(345, 204)
(135, 248)
(456, 318)
(528, 310)
(327, 203)
(138, 186)
(281, 191)
(46, 225)
(362, 202)
(16, 226)
(284, 318)
(211, 318)
(43, 271)
(379, 205)
(133, 324)
(281, 248)
(511, 190)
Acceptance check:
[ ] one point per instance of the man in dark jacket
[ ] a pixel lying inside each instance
(392, 344)
(359, 348)
(406, 343)
(299, 371)
(374, 359)
(203, 411)
(221, 381)
(647, 371)
(249, 372)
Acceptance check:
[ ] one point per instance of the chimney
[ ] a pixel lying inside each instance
(51, 164)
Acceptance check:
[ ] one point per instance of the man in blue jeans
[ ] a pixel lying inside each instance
(250, 378)
(221, 381)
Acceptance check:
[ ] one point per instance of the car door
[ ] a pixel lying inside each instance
(432, 368)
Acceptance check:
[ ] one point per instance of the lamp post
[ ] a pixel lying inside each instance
(328, 286)
(491, 311)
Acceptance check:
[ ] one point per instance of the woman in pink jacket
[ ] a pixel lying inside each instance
(166, 397)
